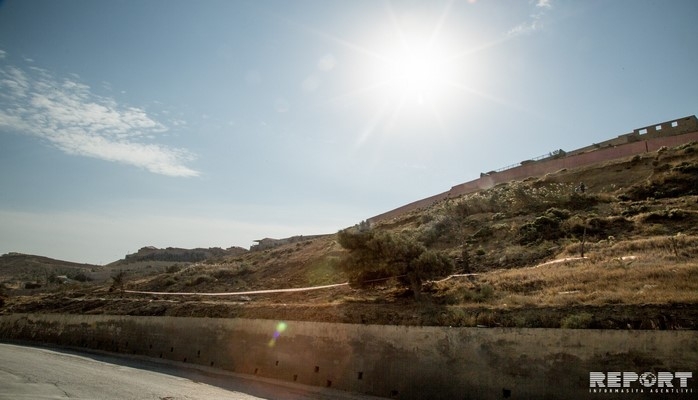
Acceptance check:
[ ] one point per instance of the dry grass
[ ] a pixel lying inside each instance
(659, 270)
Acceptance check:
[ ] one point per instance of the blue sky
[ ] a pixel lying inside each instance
(214, 123)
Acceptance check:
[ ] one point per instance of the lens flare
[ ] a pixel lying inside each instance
(280, 328)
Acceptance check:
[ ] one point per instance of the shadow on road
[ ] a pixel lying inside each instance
(254, 386)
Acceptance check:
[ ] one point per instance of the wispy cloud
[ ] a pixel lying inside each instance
(534, 21)
(543, 4)
(71, 117)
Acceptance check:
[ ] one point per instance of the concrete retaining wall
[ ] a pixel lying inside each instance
(390, 361)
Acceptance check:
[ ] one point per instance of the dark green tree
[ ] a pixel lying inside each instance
(380, 255)
(118, 282)
(3, 296)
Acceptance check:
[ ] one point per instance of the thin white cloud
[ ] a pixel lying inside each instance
(523, 28)
(534, 22)
(66, 113)
(543, 4)
(16, 81)
(3, 53)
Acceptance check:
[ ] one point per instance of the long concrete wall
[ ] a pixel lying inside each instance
(542, 167)
(390, 361)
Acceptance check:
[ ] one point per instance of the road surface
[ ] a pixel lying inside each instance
(40, 373)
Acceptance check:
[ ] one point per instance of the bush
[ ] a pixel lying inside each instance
(577, 321)
(436, 230)
(81, 277)
(577, 201)
(244, 270)
(634, 209)
(118, 282)
(486, 292)
(198, 280)
(223, 274)
(173, 269)
(560, 214)
(481, 294)
(545, 227)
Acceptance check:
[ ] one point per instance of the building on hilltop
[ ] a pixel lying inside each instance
(641, 140)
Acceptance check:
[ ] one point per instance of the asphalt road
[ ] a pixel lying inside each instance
(40, 373)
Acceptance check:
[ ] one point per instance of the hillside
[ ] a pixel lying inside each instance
(18, 270)
(517, 251)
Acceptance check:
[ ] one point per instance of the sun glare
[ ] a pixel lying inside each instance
(413, 66)
(418, 72)
(412, 76)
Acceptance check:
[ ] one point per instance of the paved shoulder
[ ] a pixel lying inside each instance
(40, 373)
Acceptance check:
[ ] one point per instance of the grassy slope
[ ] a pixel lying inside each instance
(638, 218)
(17, 269)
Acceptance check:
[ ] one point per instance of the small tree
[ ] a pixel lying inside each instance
(465, 258)
(3, 296)
(118, 282)
(81, 277)
(379, 255)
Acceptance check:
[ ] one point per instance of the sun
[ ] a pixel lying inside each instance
(417, 72)
(412, 74)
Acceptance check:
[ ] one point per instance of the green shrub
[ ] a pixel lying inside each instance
(560, 214)
(482, 294)
(81, 277)
(582, 320)
(486, 291)
(439, 230)
(173, 269)
(227, 274)
(199, 279)
(545, 227)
